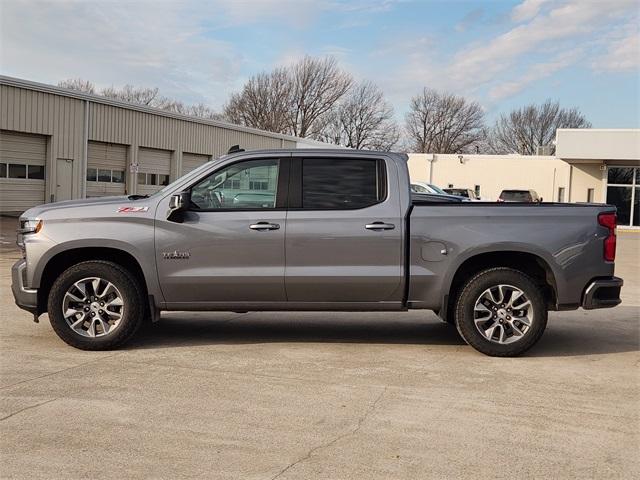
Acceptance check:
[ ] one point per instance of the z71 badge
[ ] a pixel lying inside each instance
(133, 209)
(176, 255)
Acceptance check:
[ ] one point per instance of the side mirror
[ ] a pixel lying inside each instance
(178, 203)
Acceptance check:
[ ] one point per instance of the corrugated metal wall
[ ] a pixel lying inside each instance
(48, 111)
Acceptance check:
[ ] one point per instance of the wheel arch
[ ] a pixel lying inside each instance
(527, 262)
(64, 259)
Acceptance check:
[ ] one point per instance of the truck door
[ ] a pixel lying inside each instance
(344, 231)
(229, 246)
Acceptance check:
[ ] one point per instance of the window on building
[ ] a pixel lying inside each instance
(17, 170)
(561, 194)
(3, 170)
(590, 194)
(620, 175)
(35, 172)
(152, 179)
(92, 174)
(258, 185)
(104, 175)
(477, 190)
(117, 176)
(163, 180)
(232, 184)
(142, 178)
(340, 183)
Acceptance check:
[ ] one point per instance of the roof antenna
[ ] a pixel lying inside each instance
(235, 149)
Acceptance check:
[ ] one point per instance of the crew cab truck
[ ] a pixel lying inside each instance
(325, 230)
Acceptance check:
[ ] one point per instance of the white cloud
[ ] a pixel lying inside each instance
(112, 43)
(573, 20)
(534, 73)
(527, 10)
(622, 54)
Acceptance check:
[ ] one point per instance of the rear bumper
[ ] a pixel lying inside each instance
(602, 293)
(26, 298)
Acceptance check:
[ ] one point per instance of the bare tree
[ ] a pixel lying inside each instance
(78, 84)
(142, 96)
(296, 100)
(265, 102)
(443, 123)
(318, 85)
(363, 120)
(131, 94)
(525, 129)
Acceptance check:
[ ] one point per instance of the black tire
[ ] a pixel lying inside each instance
(132, 296)
(471, 292)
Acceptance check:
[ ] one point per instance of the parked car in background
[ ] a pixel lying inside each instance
(526, 196)
(467, 193)
(423, 187)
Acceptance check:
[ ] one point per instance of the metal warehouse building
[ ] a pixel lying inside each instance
(57, 144)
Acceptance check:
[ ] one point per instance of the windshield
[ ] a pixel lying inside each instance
(436, 189)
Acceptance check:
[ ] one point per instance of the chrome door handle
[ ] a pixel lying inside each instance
(264, 226)
(380, 226)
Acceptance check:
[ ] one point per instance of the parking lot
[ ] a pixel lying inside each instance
(322, 395)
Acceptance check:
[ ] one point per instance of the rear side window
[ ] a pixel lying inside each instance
(342, 184)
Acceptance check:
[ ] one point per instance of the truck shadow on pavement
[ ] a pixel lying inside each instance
(563, 338)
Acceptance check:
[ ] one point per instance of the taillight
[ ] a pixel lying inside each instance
(609, 221)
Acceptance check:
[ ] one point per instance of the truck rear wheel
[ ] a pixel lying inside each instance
(501, 312)
(96, 305)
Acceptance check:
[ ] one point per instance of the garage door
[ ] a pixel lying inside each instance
(106, 169)
(154, 170)
(22, 171)
(191, 161)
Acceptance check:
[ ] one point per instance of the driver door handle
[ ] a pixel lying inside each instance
(380, 226)
(264, 226)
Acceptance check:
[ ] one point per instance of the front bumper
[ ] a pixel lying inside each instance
(602, 293)
(26, 298)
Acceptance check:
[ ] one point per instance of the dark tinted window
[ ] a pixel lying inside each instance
(104, 175)
(516, 196)
(92, 174)
(117, 176)
(36, 172)
(460, 192)
(620, 175)
(3, 170)
(341, 183)
(17, 170)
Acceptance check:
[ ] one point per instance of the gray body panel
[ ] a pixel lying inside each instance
(319, 260)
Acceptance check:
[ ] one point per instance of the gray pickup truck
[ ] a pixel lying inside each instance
(325, 230)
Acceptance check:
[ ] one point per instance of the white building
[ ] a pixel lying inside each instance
(590, 165)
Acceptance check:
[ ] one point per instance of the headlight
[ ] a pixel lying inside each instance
(27, 226)
(30, 225)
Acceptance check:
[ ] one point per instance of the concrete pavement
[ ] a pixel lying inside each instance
(308, 395)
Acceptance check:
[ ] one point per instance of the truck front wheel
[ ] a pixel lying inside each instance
(501, 312)
(96, 305)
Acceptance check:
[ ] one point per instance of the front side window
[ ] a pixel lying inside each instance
(249, 185)
(340, 183)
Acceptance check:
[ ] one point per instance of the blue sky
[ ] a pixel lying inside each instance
(502, 54)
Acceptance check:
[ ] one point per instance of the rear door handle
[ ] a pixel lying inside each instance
(380, 226)
(264, 226)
